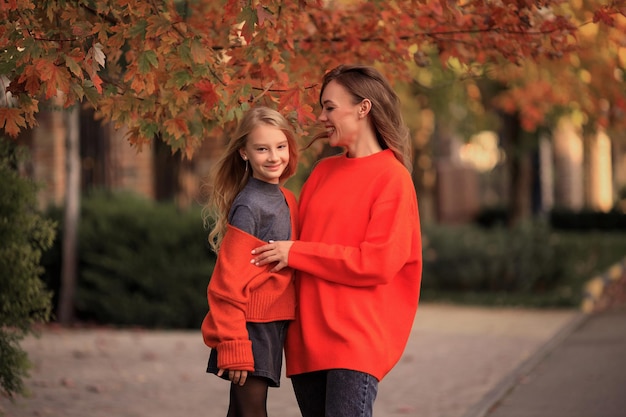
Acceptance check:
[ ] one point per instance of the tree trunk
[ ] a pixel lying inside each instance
(71, 217)
(167, 169)
(519, 163)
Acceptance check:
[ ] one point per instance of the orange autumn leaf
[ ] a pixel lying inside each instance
(11, 120)
(176, 127)
(207, 93)
(97, 82)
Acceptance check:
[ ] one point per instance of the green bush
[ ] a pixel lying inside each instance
(469, 258)
(612, 221)
(24, 300)
(147, 264)
(530, 265)
(141, 263)
(588, 254)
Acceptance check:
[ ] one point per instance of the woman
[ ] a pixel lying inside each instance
(358, 258)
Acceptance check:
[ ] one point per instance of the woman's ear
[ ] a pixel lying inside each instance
(364, 108)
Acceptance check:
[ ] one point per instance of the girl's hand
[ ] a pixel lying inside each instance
(273, 252)
(236, 377)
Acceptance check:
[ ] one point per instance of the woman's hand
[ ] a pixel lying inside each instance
(236, 377)
(273, 252)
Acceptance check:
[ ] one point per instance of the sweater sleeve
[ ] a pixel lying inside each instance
(228, 293)
(390, 240)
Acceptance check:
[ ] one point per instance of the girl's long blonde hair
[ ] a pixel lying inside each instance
(231, 173)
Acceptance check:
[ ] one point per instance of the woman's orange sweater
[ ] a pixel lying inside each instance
(241, 292)
(359, 265)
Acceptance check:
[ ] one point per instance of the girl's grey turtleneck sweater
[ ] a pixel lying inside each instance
(260, 209)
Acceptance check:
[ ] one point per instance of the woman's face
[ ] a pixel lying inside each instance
(339, 115)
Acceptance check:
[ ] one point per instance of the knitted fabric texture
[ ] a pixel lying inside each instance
(359, 265)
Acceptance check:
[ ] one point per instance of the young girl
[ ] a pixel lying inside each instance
(251, 307)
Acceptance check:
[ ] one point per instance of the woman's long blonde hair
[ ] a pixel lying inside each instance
(231, 173)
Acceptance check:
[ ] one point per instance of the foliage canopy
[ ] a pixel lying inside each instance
(179, 70)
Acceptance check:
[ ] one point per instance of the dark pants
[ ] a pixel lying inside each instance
(335, 393)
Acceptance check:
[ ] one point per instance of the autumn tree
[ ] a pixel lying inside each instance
(180, 69)
(589, 78)
(587, 82)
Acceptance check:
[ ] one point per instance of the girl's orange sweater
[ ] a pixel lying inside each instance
(241, 292)
(359, 265)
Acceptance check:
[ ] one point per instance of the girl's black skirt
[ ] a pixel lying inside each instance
(268, 340)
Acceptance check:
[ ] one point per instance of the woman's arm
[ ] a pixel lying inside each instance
(391, 239)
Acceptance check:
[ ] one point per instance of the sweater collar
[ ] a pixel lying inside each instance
(265, 187)
(385, 153)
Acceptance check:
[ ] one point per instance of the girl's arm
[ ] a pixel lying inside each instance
(224, 327)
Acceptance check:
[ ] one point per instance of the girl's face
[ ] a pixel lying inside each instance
(339, 115)
(267, 150)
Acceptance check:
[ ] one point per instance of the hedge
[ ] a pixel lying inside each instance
(141, 263)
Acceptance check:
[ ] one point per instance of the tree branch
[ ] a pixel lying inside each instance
(109, 19)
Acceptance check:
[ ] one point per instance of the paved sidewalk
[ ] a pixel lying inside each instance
(456, 356)
(583, 374)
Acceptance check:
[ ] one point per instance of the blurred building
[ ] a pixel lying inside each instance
(461, 176)
(109, 161)
(585, 176)
(570, 171)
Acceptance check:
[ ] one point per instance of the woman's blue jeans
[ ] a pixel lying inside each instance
(335, 393)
